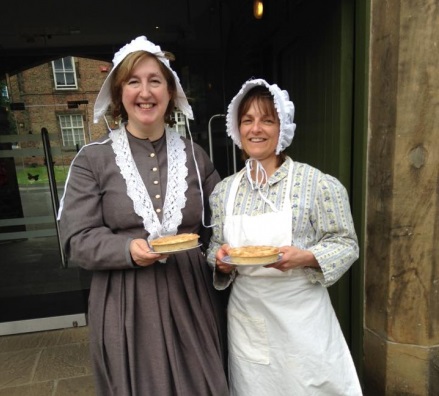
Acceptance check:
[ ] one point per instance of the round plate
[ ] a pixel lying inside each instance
(228, 260)
(177, 251)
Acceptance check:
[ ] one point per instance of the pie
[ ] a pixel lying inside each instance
(254, 254)
(171, 243)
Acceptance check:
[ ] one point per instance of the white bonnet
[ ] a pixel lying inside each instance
(284, 108)
(141, 43)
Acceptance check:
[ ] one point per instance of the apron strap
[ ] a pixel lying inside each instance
(232, 193)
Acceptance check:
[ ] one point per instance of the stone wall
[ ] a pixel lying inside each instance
(401, 340)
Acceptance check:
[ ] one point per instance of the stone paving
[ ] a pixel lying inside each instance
(49, 363)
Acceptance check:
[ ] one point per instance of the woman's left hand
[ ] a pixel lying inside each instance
(293, 257)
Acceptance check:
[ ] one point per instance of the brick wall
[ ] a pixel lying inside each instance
(35, 88)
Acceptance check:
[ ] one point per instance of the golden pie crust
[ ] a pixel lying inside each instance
(254, 254)
(171, 243)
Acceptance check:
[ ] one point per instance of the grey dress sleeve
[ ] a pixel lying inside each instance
(86, 238)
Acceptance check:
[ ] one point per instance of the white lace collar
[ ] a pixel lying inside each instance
(175, 199)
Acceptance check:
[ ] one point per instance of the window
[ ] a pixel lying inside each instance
(180, 123)
(4, 91)
(64, 73)
(72, 129)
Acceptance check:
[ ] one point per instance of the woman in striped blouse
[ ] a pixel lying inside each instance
(284, 337)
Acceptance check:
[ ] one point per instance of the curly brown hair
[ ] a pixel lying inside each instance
(123, 73)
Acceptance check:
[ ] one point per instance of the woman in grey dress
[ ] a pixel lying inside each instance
(156, 323)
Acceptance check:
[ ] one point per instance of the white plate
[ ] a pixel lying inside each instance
(177, 251)
(228, 260)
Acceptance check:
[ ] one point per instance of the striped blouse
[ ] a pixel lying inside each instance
(321, 221)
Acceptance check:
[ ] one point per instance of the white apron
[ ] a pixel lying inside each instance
(284, 337)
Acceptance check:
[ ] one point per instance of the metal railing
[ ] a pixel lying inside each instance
(53, 189)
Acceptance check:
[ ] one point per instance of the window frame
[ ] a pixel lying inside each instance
(180, 123)
(71, 129)
(64, 71)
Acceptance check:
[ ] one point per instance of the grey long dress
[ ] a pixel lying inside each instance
(157, 330)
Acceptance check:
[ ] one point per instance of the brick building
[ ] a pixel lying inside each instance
(58, 96)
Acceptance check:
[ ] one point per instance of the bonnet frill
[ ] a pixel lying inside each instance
(284, 107)
(140, 43)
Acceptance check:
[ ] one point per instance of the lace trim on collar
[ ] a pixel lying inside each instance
(175, 199)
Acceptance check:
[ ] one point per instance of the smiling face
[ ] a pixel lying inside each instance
(145, 97)
(142, 92)
(259, 129)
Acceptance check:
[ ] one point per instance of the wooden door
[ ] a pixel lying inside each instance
(316, 65)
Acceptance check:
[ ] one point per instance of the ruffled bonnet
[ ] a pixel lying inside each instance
(284, 108)
(141, 43)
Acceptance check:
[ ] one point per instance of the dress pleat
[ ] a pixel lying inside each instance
(184, 321)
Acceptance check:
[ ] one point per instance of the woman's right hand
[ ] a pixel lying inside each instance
(220, 254)
(141, 253)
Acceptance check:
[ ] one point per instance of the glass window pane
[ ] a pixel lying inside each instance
(70, 79)
(59, 78)
(58, 64)
(68, 64)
